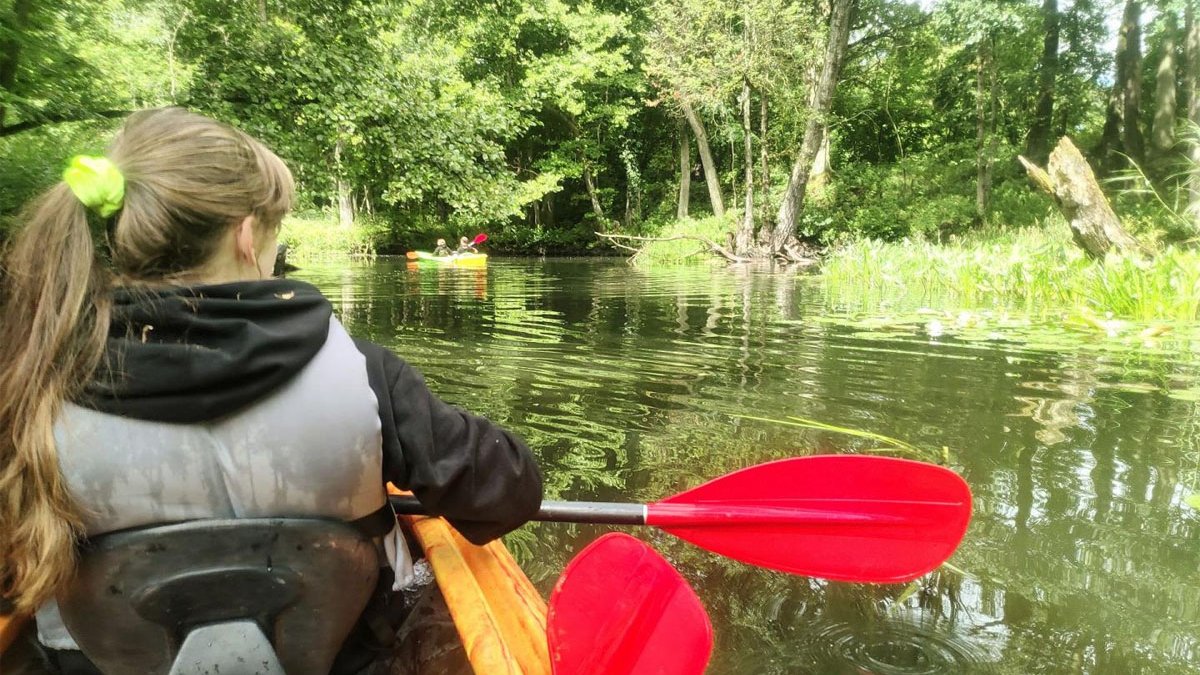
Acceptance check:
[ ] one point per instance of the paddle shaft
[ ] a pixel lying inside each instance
(599, 513)
(680, 515)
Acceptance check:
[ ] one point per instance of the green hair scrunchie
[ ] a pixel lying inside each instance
(96, 182)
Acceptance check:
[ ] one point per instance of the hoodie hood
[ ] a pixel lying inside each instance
(197, 353)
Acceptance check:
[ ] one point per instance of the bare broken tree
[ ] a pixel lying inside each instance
(1070, 180)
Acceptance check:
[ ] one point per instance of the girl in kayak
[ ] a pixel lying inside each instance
(442, 249)
(151, 372)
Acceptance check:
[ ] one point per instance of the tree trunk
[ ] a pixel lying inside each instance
(345, 204)
(993, 117)
(745, 231)
(1162, 134)
(819, 175)
(1070, 180)
(10, 49)
(262, 10)
(685, 173)
(1191, 83)
(706, 158)
(733, 159)
(820, 103)
(985, 112)
(1116, 117)
(1190, 77)
(1110, 138)
(1037, 145)
(764, 171)
(1135, 145)
(590, 182)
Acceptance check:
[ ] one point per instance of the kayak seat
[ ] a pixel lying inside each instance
(232, 597)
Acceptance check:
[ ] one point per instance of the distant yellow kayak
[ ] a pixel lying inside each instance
(457, 260)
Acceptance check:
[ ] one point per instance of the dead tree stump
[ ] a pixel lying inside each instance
(1069, 179)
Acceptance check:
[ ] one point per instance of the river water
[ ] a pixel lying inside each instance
(1079, 443)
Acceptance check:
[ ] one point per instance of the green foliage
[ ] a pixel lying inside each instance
(700, 50)
(929, 195)
(446, 117)
(33, 161)
(78, 57)
(313, 236)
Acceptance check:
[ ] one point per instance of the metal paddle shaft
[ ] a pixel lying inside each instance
(595, 513)
(843, 517)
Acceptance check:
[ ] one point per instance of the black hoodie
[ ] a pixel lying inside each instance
(194, 354)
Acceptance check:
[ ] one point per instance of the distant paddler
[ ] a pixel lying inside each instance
(467, 246)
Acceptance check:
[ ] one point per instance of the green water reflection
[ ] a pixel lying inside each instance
(1080, 447)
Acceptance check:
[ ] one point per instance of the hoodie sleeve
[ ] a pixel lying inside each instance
(480, 477)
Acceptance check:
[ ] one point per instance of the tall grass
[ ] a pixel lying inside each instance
(1034, 270)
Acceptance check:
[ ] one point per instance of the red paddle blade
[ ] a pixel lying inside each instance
(411, 255)
(619, 608)
(479, 239)
(841, 517)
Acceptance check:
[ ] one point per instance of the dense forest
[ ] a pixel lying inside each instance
(759, 123)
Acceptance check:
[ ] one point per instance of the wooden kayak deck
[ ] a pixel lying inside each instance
(499, 615)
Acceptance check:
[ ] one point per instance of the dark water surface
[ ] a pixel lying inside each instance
(630, 385)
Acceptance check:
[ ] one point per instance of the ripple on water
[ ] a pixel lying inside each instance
(893, 645)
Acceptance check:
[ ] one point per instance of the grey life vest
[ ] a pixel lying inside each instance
(312, 447)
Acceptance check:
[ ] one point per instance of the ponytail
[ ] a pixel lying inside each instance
(183, 180)
(55, 309)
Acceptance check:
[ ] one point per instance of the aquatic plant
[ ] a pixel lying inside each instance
(1031, 270)
(890, 444)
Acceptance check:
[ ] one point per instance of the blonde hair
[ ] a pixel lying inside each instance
(187, 180)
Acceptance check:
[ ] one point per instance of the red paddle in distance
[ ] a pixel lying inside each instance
(852, 518)
(619, 608)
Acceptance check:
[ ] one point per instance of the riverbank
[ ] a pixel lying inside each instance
(314, 235)
(1033, 270)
